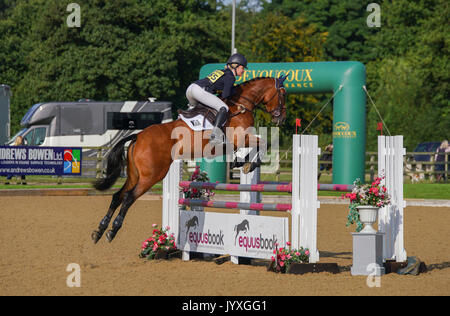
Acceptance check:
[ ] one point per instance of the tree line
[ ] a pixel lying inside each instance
(134, 49)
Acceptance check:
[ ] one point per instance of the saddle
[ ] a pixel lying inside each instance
(200, 109)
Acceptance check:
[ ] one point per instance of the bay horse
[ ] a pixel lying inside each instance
(149, 154)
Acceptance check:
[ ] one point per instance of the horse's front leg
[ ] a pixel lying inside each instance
(253, 159)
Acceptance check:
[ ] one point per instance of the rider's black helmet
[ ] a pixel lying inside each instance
(237, 59)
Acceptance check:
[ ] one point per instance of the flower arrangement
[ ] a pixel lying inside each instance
(193, 193)
(284, 257)
(160, 241)
(365, 194)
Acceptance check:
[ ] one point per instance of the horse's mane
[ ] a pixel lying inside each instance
(252, 80)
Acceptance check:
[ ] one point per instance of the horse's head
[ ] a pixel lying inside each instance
(267, 91)
(274, 100)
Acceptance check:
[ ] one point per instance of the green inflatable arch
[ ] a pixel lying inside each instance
(346, 79)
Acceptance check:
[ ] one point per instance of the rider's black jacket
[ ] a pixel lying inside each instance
(219, 80)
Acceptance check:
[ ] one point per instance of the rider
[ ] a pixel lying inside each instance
(204, 91)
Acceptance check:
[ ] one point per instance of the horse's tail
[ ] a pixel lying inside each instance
(114, 164)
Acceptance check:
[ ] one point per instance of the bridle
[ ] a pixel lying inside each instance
(276, 113)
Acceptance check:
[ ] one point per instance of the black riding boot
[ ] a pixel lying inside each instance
(217, 136)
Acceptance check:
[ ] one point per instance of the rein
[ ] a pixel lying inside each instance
(276, 112)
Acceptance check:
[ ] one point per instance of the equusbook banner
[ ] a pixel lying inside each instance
(32, 160)
(233, 234)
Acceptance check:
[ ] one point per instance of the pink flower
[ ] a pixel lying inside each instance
(155, 225)
(272, 258)
(307, 252)
(288, 243)
(297, 253)
(281, 264)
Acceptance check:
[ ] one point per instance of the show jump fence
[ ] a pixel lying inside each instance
(303, 207)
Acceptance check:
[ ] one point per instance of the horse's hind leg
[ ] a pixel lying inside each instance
(129, 198)
(116, 201)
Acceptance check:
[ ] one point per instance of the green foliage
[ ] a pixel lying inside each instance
(410, 78)
(124, 50)
(353, 217)
(343, 20)
(277, 38)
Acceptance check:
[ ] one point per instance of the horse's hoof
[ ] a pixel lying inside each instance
(110, 235)
(246, 168)
(96, 236)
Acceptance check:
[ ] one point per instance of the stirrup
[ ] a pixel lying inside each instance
(217, 137)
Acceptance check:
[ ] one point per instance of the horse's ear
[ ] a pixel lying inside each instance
(280, 80)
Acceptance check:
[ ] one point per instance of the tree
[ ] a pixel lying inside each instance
(277, 38)
(124, 50)
(343, 20)
(410, 80)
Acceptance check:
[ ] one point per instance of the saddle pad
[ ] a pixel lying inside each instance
(197, 123)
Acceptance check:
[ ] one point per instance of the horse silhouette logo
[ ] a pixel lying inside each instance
(242, 227)
(341, 126)
(193, 222)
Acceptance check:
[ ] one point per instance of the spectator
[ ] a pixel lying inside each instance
(440, 157)
(326, 156)
(18, 142)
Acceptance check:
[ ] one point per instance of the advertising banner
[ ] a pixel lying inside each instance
(33, 160)
(234, 234)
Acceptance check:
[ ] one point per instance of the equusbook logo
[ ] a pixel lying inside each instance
(207, 238)
(258, 242)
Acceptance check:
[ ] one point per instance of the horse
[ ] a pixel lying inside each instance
(242, 227)
(193, 222)
(150, 152)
